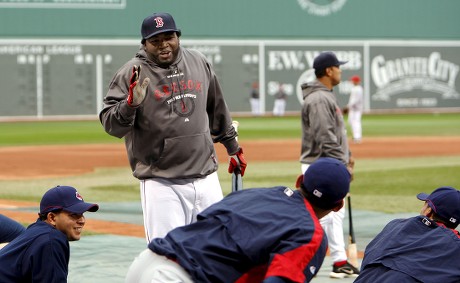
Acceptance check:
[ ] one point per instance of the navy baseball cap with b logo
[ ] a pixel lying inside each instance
(325, 60)
(445, 202)
(65, 198)
(158, 23)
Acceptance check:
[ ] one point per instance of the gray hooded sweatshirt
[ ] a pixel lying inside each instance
(323, 130)
(171, 134)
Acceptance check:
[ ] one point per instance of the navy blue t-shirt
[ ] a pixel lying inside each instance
(412, 250)
(39, 254)
(9, 229)
(254, 235)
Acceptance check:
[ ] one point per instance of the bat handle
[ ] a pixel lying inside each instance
(235, 125)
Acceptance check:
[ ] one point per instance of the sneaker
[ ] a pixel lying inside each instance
(346, 270)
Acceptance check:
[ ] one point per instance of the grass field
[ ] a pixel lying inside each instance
(382, 185)
(75, 132)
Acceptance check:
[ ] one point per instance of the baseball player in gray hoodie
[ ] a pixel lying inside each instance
(167, 104)
(324, 135)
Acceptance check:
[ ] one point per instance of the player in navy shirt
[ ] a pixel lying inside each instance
(423, 248)
(256, 235)
(9, 229)
(41, 253)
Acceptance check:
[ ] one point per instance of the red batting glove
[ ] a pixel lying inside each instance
(237, 162)
(132, 83)
(137, 92)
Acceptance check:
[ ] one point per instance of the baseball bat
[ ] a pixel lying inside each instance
(352, 249)
(237, 180)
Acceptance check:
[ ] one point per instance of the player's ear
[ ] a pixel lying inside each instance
(299, 181)
(339, 206)
(328, 71)
(51, 218)
(429, 212)
(426, 210)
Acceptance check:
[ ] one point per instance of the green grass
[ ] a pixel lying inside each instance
(105, 184)
(388, 185)
(447, 124)
(412, 125)
(53, 132)
(77, 132)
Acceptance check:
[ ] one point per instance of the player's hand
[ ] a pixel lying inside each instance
(237, 161)
(299, 181)
(345, 110)
(351, 167)
(137, 91)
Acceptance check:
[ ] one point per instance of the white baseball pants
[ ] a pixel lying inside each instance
(169, 203)
(279, 107)
(354, 119)
(149, 267)
(255, 106)
(333, 227)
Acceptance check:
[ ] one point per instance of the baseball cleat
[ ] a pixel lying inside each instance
(346, 270)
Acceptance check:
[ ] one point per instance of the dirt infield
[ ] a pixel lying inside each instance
(94, 225)
(68, 160)
(53, 161)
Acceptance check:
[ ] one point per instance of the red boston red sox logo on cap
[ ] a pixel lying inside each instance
(78, 196)
(159, 21)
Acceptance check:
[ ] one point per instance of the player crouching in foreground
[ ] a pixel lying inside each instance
(41, 253)
(9, 229)
(257, 235)
(423, 248)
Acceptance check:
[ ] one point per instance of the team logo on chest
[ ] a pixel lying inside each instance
(183, 104)
(179, 93)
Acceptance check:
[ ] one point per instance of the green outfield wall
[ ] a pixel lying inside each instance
(58, 56)
(70, 77)
(301, 19)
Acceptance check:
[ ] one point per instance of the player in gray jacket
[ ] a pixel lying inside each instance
(168, 105)
(324, 135)
(323, 130)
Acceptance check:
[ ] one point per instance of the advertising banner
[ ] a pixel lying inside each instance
(291, 66)
(414, 77)
(71, 77)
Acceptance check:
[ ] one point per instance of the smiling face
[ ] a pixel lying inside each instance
(163, 48)
(71, 224)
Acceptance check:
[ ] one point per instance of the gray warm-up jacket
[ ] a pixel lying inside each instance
(323, 130)
(171, 134)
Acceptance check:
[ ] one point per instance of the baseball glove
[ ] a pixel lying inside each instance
(345, 110)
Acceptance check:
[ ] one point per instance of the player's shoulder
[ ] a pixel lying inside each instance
(271, 190)
(269, 194)
(192, 52)
(320, 99)
(194, 55)
(44, 232)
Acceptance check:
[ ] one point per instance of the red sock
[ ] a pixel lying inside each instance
(340, 263)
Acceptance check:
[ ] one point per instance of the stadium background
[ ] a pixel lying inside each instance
(57, 58)
(61, 55)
